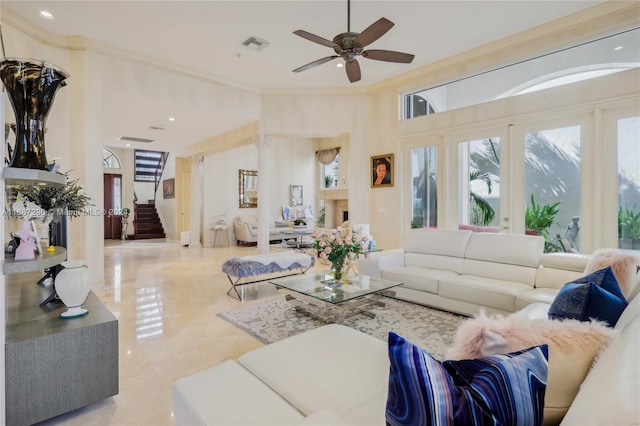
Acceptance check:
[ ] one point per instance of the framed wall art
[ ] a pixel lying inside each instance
(169, 188)
(296, 195)
(382, 171)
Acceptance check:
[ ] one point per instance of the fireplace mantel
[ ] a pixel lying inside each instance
(334, 193)
(336, 205)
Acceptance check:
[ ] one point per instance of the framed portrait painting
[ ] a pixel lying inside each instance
(169, 188)
(382, 171)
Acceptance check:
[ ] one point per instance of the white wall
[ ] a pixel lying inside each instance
(291, 162)
(166, 207)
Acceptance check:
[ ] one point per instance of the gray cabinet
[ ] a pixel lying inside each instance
(52, 365)
(55, 365)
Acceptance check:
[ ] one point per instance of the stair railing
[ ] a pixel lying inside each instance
(158, 172)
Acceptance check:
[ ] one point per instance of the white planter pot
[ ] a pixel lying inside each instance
(72, 285)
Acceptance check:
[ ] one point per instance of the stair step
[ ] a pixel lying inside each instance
(149, 236)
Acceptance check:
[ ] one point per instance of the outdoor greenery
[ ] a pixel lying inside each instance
(628, 222)
(328, 181)
(539, 218)
(481, 211)
(321, 217)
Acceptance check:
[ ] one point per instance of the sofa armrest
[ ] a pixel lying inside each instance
(373, 263)
(242, 231)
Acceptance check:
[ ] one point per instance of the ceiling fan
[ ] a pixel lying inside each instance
(349, 45)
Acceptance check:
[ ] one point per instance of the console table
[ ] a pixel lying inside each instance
(55, 365)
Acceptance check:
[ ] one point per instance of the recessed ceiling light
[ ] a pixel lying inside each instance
(618, 48)
(339, 65)
(128, 144)
(45, 14)
(172, 119)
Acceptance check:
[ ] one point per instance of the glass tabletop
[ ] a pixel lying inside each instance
(320, 286)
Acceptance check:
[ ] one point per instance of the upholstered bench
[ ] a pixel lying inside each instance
(239, 268)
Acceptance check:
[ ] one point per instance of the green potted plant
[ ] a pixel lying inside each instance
(539, 218)
(628, 228)
(328, 181)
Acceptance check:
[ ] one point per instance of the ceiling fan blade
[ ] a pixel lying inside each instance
(388, 56)
(373, 32)
(314, 38)
(353, 71)
(316, 63)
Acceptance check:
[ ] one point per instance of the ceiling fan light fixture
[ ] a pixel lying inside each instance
(340, 65)
(350, 45)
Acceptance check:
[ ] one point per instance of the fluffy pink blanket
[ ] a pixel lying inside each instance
(624, 266)
(484, 335)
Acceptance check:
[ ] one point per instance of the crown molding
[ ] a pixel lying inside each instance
(78, 43)
(601, 20)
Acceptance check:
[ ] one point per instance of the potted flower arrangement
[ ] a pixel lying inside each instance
(71, 197)
(339, 251)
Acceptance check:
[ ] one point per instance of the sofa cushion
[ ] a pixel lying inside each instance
(610, 393)
(442, 242)
(536, 295)
(417, 278)
(499, 389)
(196, 399)
(434, 261)
(500, 271)
(573, 345)
(350, 368)
(594, 296)
(522, 250)
(488, 292)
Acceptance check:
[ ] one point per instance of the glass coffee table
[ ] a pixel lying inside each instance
(319, 297)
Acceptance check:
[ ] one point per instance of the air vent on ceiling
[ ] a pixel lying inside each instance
(255, 43)
(161, 127)
(132, 139)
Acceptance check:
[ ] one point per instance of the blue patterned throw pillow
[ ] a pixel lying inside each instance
(495, 390)
(595, 296)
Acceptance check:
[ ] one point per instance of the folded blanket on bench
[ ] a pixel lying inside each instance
(248, 266)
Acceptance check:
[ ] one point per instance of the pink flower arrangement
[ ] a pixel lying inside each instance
(334, 248)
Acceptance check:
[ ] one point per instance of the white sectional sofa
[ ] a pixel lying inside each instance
(246, 229)
(466, 272)
(334, 375)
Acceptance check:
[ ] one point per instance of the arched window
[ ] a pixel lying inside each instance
(110, 159)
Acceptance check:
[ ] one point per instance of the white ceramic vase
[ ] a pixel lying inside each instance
(72, 285)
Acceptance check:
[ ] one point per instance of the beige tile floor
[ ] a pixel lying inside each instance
(166, 298)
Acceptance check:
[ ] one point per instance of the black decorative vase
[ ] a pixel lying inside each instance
(31, 87)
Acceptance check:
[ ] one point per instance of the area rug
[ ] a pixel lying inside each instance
(276, 319)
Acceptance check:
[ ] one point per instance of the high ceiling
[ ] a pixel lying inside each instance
(207, 37)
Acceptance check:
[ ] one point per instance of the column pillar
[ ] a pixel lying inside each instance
(197, 195)
(262, 144)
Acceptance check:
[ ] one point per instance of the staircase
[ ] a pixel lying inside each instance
(146, 222)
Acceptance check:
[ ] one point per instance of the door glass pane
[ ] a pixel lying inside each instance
(117, 194)
(424, 174)
(480, 184)
(629, 183)
(552, 187)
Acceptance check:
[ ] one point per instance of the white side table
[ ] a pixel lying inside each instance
(220, 229)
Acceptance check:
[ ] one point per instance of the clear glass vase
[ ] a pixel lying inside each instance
(337, 272)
